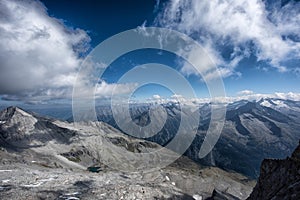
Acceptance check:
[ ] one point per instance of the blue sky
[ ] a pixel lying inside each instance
(102, 19)
(255, 45)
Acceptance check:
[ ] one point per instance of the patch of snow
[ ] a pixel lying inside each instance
(2, 122)
(62, 124)
(5, 181)
(197, 197)
(72, 198)
(167, 178)
(73, 193)
(173, 183)
(266, 103)
(6, 170)
(280, 104)
(37, 184)
(24, 113)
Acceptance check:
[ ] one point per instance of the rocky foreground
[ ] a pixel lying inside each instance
(43, 158)
(279, 179)
(37, 180)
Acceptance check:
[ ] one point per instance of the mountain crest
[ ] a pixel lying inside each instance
(13, 116)
(12, 111)
(19, 128)
(16, 123)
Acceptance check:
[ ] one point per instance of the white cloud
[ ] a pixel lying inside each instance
(105, 90)
(38, 53)
(205, 59)
(238, 24)
(289, 95)
(256, 96)
(40, 56)
(156, 96)
(280, 95)
(245, 92)
(247, 95)
(243, 95)
(176, 96)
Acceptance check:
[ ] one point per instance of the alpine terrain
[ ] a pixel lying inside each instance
(253, 130)
(44, 158)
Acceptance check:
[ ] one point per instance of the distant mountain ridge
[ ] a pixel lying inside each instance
(253, 130)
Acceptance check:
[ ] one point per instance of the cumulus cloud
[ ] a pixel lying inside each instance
(239, 28)
(156, 96)
(245, 92)
(105, 90)
(177, 96)
(289, 95)
(40, 56)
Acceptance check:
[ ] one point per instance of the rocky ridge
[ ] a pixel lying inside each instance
(279, 179)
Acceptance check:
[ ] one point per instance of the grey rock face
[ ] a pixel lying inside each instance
(20, 129)
(218, 195)
(279, 179)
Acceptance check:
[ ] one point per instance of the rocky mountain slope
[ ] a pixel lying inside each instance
(279, 179)
(44, 158)
(253, 130)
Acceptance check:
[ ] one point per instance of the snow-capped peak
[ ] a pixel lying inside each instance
(266, 103)
(273, 103)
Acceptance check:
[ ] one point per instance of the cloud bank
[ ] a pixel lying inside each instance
(40, 56)
(232, 30)
(242, 95)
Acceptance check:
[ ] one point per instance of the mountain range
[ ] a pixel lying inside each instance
(253, 130)
(45, 158)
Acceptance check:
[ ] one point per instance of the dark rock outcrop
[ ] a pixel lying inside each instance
(279, 179)
(219, 195)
